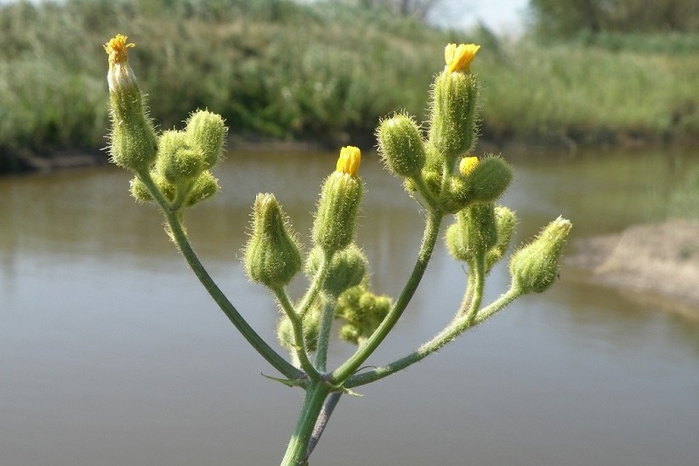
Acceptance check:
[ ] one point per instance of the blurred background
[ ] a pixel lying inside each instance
(112, 354)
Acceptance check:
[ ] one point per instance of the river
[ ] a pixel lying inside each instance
(112, 354)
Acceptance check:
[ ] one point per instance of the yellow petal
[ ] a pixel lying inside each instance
(350, 158)
(459, 58)
(467, 165)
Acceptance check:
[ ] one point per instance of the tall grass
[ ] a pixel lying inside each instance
(285, 70)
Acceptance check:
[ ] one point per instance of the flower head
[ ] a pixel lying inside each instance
(120, 75)
(459, 57)
(467, 165)
(350, 158)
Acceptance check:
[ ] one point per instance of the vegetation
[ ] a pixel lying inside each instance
(566, 18)
(280, 69)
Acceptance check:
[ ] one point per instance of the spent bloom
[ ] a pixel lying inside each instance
(350, 158)
(120, 74)
(459, 57)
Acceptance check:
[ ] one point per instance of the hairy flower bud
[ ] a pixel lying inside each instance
(133, 143)
(401, 146)
(535, 266)
(177, 160)
(206, 133)
(454, 105)
(271, 255)
(473, 233)
(505, 220)
(347, 269)
(336, 216)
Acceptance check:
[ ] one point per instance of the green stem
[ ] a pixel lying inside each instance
(447, 335)
(297, 450)
(326, 320)
(478, 283)
(429, 239)
(180, 238)
(315, 286)
(297, 326)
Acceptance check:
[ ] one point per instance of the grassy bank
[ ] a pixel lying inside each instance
(277, 69)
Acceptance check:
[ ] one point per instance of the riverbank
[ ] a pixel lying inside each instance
(290, 71)
(655, 263)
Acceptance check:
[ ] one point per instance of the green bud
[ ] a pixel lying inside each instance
(347, 268)
(401, 145)
(271, 255)
(535, 266)
(454, 120)
(207, 133)
(177, 161)
(205, 186)
(505, 220)
(168, 189)
(311, 327)
(336, 216)
(363, 312)
(473, 233)
(132, 143)
(489, 179)
(139, 190)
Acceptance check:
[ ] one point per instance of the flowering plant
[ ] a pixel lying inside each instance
(173, 170)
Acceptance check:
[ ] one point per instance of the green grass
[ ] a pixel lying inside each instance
(283, 70)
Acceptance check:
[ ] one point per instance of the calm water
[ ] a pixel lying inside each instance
(111, 354)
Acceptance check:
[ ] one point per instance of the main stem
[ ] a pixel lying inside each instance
(297, 451)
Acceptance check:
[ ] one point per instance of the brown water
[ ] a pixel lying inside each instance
(111, 353)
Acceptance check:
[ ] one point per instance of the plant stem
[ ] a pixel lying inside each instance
(180, 239)
(326, 319)
(429, 238)
(297, 451)
(444, 337)
(297, 326)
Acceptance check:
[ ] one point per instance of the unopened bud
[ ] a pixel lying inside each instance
(505, 220)
(347, 269)
(204, 187)
(177, 160)
(401, 146)
(272, 254)
(535, 266)
(473, 233)
(206, 133)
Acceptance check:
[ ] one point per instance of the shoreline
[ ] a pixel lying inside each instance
(649, 263)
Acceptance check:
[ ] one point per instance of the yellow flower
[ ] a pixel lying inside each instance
(120, 74)
(350, 158)
(467, 165)
(459, 57)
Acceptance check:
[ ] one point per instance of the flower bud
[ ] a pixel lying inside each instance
(133, 143)
(347, 269)
(505, 220)
(177, 161)
(336, 216)
(453, 121)
(401, 145)
(271, 255)
(535, 266)
(205, 186)
(489, 179)
(206, 133)
(362, 311)
(473, 233)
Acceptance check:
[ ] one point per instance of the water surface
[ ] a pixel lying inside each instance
(112, 354)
